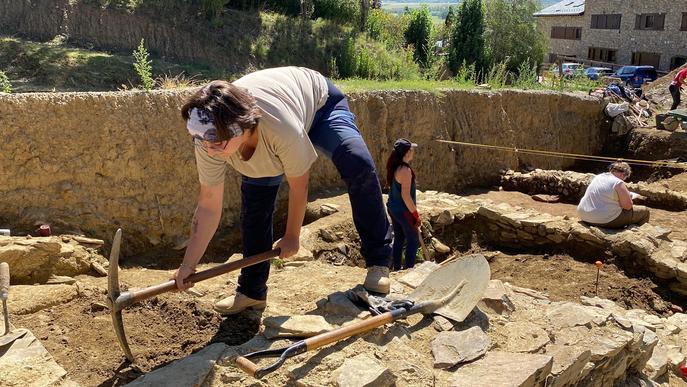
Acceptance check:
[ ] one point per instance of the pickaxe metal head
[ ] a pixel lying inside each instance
(119, 300)
(113, 293)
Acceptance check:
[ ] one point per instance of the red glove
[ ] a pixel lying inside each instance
(416, 218)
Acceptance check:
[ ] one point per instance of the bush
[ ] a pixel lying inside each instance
(342, 11)
(369, 59)
(143, 67)
(5, 86)
(387, 28)
(346, 64)
(526, 77)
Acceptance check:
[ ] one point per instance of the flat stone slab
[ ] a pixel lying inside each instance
(363, 371)
(189, 371)
(25, 362)
(567, 314)
(295, 326)
(525, 337)
(452, 348)
(415, 277)
(25, 299)
(505, 369)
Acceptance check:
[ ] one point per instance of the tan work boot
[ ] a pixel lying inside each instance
(377, 279)
(238, 303)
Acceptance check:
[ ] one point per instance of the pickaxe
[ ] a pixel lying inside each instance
(119, 301)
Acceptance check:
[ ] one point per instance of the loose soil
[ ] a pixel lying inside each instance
(564, 279)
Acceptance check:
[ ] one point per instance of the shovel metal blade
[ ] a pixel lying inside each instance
(473, 269)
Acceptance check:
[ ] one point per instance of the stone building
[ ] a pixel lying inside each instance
(620, 32)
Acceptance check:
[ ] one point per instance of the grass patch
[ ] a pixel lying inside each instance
(55, 66)
(356, 85)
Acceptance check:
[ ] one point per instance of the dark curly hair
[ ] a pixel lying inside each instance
(229, 105)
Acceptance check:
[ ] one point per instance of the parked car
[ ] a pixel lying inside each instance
(594, 73)
(636, 76)
(570, 69)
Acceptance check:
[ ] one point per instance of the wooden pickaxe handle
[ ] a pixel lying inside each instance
(129, 298)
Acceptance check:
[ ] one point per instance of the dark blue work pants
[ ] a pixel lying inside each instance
(334, 134)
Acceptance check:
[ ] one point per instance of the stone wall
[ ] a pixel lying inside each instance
(570, 187)
(667, 43)
(91, 162)
(639, 249)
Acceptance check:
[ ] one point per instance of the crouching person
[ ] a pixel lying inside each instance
(608, 203)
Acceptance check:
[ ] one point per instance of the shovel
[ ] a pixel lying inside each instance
(454, 290)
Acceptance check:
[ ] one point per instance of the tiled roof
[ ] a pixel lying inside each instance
(565, 7)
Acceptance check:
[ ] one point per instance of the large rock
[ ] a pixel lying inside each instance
(525, 337)
(451, 348)
(495, 299)
(505, 369)
(657, 365)
(189, 371)
(363, 371)
(25, 362)
(568, 363)
(34, 260)
(295, 326)
(567, 314)
(25, 299)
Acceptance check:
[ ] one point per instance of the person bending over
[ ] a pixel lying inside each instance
(266, 125)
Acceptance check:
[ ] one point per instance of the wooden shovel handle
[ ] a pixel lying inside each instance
(348, 331)
(246, 365)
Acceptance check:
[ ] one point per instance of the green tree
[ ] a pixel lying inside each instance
(419, 33)
(450, 17)
(511, 34)
(143, 66)
(467, 37)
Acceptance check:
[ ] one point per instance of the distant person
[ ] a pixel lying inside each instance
(265, 125)
(400, 178)
(608, 203)
(676, 86)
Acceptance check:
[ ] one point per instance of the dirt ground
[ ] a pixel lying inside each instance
(80, 336)
(565, 279)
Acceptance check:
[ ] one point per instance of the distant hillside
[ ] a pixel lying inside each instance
(397, 6)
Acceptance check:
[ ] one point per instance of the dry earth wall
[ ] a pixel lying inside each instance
(90, 162)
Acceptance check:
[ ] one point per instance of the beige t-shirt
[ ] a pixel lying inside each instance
(288, 98)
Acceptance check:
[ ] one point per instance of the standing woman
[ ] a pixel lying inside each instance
(400, 179)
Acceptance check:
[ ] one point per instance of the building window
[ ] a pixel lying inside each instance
(646, 59)
(683, 26)
(602, 54)
(677, 61)
(606, 22)
(570, 33)
(650, 21)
